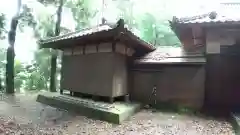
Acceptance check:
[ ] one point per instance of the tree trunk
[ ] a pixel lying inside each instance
(11, 53)
(53, 73)
(10, 70)
(1, 87)
(54, 55)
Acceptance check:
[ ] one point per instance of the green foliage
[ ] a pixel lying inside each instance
(36, 76)
(38, 73)
(151, 27)
(20, 75)
(81, 11)
(2, 65)
(45, 27)
(26, 18)
(2, 25)
(126, 13)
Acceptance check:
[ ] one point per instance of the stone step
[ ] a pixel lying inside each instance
(114, 113)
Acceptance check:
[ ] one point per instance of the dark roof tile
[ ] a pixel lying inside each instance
(226, 13)
(170, 55)
(79, 33)
(97, 34)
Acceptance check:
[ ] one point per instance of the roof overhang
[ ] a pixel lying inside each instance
(177, 27)
(169, 61)
(86, 37)
(208, 24)
(79, 41)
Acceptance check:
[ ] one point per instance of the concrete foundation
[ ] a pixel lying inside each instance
(114, 113)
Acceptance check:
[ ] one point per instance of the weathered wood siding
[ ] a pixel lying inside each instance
(186, 38)
(101, 74)
(120, 76)
(193, 39)
(179, 84)
(222, 81)
(222, 69)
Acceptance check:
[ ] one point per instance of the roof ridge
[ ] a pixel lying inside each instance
(230, 3)
(221, 14)
(191, 18)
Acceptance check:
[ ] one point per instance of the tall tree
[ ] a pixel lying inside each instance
(36, 75)
(54, 55)
(10, 51)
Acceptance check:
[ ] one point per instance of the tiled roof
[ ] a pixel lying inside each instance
(79, 33)
(97, 34)
(171, 55)
(225, 13)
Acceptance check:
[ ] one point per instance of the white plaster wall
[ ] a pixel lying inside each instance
(212, 43)
(217, 38)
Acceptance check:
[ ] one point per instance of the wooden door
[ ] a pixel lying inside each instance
(143, 83)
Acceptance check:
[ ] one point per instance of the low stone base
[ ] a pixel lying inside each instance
(114, 113)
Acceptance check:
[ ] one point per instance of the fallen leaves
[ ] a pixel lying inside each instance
(52, 122)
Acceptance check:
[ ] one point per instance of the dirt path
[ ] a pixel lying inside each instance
(21, 114)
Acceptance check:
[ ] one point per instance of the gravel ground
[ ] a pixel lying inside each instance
(22, 115)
